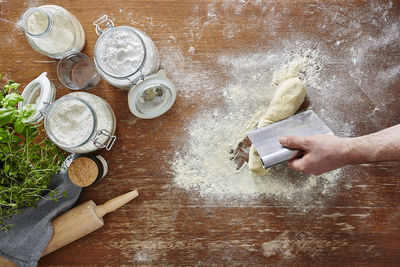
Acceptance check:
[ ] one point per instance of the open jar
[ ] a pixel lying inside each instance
(78, 122)
(53, 31)
(127, 58)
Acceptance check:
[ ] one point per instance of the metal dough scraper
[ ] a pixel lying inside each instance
(266, 139)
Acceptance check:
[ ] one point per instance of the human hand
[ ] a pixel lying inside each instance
(322, 153)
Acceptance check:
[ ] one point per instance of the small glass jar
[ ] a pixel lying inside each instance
(79, 122)
(86, 170)
(77, 72)
(123, 54)
(53, 31)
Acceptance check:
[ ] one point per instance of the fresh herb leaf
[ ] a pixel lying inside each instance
(19, 126)
(6, 115)
(11, 100)
(27, 111)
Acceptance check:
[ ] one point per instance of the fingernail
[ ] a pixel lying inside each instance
(283, 140)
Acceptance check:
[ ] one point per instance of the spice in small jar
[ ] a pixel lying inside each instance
(87, 170)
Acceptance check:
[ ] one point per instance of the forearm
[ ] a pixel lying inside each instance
(380, 146)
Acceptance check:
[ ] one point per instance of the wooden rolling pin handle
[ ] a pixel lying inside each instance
(115, 203)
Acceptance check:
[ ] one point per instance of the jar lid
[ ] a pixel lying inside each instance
(152, 97)
(120, 52)
(70, 122)
(40, 92)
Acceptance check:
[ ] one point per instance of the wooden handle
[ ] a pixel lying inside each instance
(115, 203)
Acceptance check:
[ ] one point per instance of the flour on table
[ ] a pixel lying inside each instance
(342, 72)
(205, 164)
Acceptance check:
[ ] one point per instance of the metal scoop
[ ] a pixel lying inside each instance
(266, 139)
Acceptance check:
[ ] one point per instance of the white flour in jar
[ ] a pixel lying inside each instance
(65, 34)
(105, 120)
(120, 53)
(37, 23)
(71, 122)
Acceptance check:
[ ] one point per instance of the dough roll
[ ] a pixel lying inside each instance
(286, 101)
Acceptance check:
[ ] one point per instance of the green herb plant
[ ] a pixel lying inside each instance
(28, 159)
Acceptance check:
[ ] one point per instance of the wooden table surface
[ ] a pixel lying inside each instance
(359, 224)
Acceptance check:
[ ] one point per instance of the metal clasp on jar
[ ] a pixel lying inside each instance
(102, 20)
(134, 82)
(45, 108)
(103, 132)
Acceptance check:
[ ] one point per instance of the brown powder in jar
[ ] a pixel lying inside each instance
(83, 171)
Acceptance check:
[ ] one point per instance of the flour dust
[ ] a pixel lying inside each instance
(338, 75)
(206, 165)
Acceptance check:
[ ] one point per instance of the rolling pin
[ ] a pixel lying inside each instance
(78, 222)
(82, 220)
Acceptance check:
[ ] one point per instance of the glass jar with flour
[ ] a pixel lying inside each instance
(78, 122)
(53, 31)
(127, 58)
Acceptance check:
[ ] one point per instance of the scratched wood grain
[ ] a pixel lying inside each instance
(359, 224)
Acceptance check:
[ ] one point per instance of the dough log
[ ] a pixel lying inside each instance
(286, 101)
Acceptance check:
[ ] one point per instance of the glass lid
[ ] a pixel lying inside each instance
(152, 97)
(120, 52)
(39, 92)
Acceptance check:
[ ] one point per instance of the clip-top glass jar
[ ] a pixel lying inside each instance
(127, 58)
(53, 31)
(79, 122)
(123, 54)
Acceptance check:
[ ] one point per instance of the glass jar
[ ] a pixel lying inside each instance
(127, 58)
(81, 123)
(78, 122)
(53, 31)
(123, 54)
